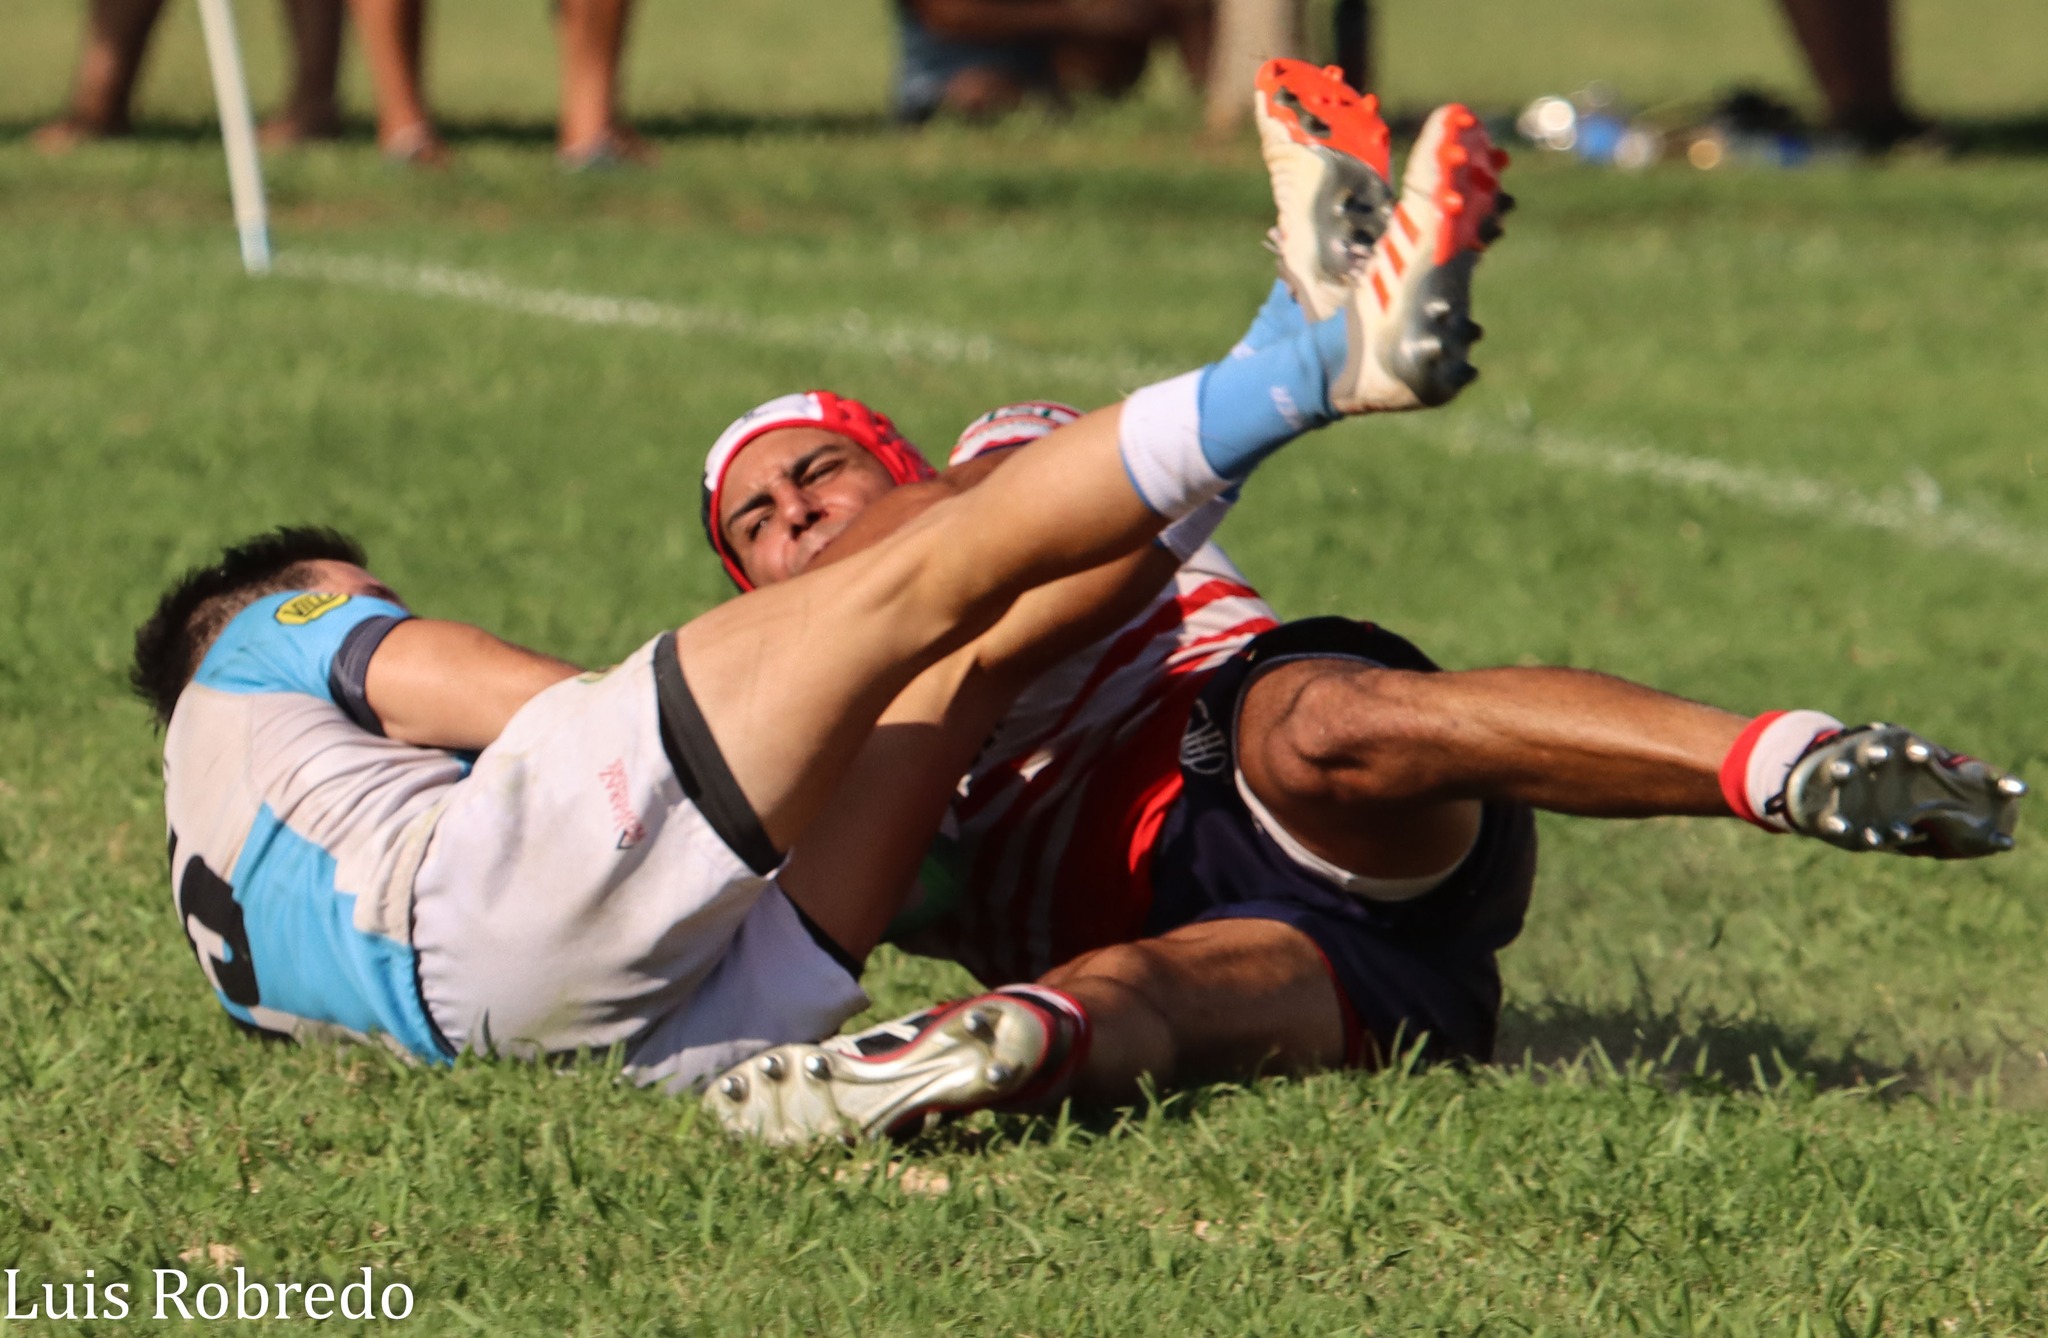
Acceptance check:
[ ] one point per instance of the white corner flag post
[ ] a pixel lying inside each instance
(237, 133)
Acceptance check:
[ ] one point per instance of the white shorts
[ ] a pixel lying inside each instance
(584, 889)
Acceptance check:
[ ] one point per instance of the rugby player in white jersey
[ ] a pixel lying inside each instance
(1217, 842)
(390, 825)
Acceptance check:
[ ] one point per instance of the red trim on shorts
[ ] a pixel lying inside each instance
(1735, 769)
(1355, 1034)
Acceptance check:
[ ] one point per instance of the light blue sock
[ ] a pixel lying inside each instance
(1251, 406)
(1280, 318)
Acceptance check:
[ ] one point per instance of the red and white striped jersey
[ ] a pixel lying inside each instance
(1055, 823)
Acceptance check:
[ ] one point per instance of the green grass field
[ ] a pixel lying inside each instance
(1763, 438)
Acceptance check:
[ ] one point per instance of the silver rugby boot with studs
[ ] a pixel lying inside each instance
(1883, 787)
(894, 1079)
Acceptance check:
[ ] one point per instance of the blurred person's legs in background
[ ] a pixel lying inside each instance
(1850, 46)
(592, 34)
(393, 34)
(312, 112)
(117, 37)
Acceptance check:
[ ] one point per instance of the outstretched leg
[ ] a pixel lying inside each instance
(1379, 771)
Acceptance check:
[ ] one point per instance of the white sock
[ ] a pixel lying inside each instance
(1160, 436)
(1754, 773)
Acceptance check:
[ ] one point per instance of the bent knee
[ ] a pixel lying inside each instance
(1324, 731)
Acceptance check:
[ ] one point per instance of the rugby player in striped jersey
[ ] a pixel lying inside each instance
(1202, 842)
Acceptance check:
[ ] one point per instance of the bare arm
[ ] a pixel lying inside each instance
(450, 685)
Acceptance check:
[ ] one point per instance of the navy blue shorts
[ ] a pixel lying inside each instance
(1413, 974)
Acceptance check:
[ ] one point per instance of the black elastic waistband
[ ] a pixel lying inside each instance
(701, 768)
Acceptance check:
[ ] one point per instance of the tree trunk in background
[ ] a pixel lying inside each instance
(1248, 33)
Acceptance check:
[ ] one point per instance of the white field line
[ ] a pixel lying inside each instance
(1916, 512)
(851, 330)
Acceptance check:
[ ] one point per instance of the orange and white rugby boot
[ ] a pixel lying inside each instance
(1410, 305)
(1326, 151)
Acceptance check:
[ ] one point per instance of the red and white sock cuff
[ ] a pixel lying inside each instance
(1070, 1032)
(1754, 773)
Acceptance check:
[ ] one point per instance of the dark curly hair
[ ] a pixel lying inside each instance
(169, 647)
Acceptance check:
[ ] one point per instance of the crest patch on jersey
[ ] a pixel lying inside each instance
(1203, 749)
(304, 609)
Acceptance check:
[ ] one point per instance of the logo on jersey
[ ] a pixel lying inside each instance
(631, 830)
(303, 609)
(1203, 749)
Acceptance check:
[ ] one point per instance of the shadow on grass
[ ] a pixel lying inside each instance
(2020, 135)
(2003, 137)
(1672, 1044)
(1676, 1047)
(1741, 1054)
(708, 124)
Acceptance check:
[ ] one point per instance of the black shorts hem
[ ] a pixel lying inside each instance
(705, 777)
(831, 947)
(1387, 990)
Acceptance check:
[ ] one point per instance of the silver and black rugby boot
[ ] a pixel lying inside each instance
(1883, 787)
(1013, 1047)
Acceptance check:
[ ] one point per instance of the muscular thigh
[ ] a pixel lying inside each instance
(1324, 744)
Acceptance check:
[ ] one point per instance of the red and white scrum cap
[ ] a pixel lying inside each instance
(849, 418)
(1011, 425)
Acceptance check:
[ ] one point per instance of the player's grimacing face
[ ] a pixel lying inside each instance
(789, 494)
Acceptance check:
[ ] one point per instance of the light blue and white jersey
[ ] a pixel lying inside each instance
(295, 831)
